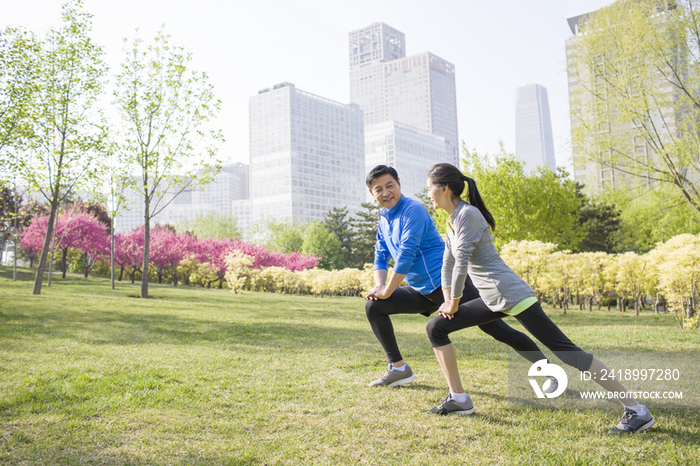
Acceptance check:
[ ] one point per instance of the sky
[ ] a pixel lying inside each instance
(245, 46)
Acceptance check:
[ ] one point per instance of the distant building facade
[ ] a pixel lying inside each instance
(306, 155)
(534, 143)
(230, 184)
(396, 92)
(409, 150)
(596, 175)
(242, 211)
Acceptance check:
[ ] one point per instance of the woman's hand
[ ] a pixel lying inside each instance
(449, 308)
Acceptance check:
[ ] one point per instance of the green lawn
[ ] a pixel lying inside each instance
(89, 375)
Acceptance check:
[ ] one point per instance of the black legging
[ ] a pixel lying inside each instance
(535, 321)
(406, 300)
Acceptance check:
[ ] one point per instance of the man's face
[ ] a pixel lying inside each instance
(386, 190)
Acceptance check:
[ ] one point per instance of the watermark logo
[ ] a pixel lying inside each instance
(544, 369)
(667, 379)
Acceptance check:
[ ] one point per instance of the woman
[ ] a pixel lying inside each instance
(470, 249)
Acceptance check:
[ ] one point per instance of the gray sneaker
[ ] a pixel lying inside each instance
(450, 406)
(631, 423)
(550, 387)
(392, 378)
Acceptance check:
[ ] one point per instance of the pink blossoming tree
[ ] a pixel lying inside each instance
(78, 230)
(128, 252)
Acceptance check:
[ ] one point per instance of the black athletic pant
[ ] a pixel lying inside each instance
(535, 321)
(406, 300)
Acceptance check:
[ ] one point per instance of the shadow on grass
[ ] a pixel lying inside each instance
(118, 328)
(423, 388)
(278, 335)
(24, 275)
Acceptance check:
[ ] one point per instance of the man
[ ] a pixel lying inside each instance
(407, 234)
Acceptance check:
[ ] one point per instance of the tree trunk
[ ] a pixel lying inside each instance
(45, 248)
(174, 272)
(690, 311)
(146, 240)
(52, 252)
(565, 302)
(121, 273)
(111, 254)
(64, 261)
(14, 260)
(16, 240)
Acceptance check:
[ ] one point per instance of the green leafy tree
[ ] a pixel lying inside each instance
(338, 223)
(115, 179)
(636, 100)
(12, 220)
(67, 127)
(19, 80)
(318, 241)
(212, 225)
(425, 200)
(284, 236)
(164, 107)
(542, 206)
(10, 202)
(601, 223)
(287, 237)
(652, 217)
(364, 225)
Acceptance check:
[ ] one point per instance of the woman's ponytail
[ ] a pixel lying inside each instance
(476, 200)
(445, 174)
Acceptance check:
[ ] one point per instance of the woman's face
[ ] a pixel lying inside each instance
(438, 196)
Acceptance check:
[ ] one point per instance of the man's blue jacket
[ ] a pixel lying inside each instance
(408, 234)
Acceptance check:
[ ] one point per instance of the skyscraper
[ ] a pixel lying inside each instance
(306, 155)
(534, 144)
(593, 174)
(411, 151)
(612, 149)
(370, 48)
(417, 91)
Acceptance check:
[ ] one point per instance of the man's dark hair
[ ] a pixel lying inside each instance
(378, 171)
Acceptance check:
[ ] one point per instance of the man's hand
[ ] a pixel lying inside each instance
(448, 308)
(378, 292)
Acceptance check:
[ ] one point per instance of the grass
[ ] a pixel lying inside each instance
(89, 375)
